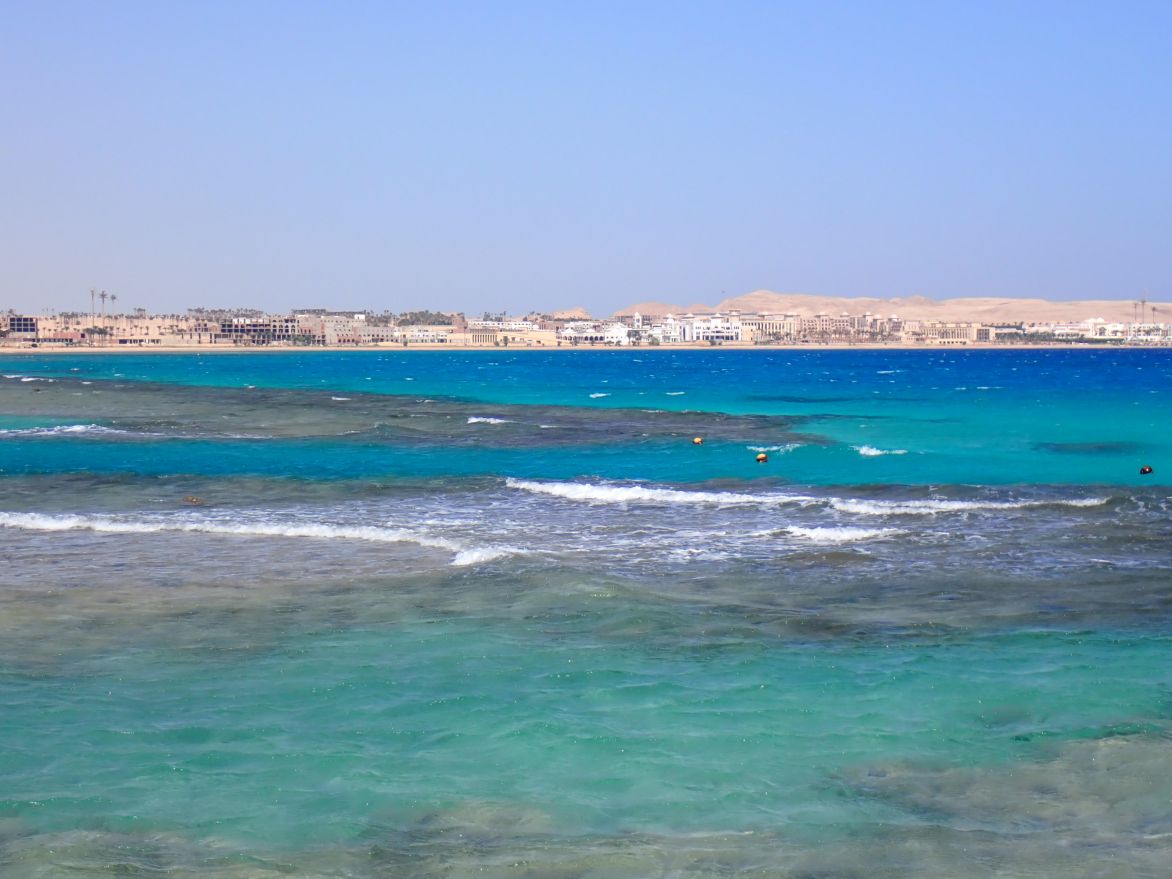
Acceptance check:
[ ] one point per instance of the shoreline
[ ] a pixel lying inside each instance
(25, 350)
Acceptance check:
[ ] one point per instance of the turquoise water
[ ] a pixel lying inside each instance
(445, 614)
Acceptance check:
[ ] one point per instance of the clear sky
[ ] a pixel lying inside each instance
(513, 155)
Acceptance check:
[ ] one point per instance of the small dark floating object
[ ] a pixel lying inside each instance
(193, 500)
(1145, 470)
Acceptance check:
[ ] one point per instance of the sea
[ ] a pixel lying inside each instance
(497, 613)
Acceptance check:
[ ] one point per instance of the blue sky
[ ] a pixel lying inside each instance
(509, 156)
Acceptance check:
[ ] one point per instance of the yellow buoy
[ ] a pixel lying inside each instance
(762, 457)
(698, 441)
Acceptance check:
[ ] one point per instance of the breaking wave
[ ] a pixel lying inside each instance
(933, 506)
(314, 531)
(872, 452)
(843, 534)
(644, 494)
(477, 419)
(637, 494)
(63, 430)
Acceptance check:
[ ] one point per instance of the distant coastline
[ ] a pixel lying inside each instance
(683, 346)
(758, 320)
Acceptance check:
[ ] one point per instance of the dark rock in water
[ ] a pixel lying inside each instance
(791, 398)
(1109, 447)
(1112, 788)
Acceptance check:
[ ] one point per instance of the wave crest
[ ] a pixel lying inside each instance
(844, 534)
(638, 494)
(62, 430)
(314, 531)
(872, 452)
(932, 506)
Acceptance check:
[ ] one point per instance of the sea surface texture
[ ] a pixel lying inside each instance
(495, 614)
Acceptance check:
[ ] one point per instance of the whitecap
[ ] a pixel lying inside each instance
(872, 452)
(64, 429)
(314, 531)
(932, 506)
(639, 494)
(675, 393)
(477, 419)
(596, 396)
(479, 555)
(845, 534)
(788, 447)
(340, 399)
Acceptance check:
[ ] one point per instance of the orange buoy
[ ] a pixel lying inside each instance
(762, 457)
(698, 441)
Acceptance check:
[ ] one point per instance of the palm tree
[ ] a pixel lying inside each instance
(103, 296)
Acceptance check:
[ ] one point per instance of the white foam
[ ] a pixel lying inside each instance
(480, 555)
(340, 399)
(60, 430)
(872, 452)
(933, 506)
(313, 531)
(32, 378)
(843, 534)
(476, 419)
(638, 494)
(675, 393)
(788, 447)
(596, 396)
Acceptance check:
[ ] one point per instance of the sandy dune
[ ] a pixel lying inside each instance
(977, 309)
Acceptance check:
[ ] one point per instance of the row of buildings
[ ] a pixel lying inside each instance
(323, 328)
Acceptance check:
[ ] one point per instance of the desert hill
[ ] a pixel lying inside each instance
(576, 313)
(975, 309)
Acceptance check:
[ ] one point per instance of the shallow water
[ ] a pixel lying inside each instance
(444, 614)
